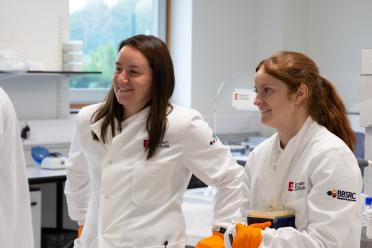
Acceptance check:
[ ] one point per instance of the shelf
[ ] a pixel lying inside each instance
(40, 95)
(11, 74)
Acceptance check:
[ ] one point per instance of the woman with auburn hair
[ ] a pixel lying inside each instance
(132, 157)
(307, 166)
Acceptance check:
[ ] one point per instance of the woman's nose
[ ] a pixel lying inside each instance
(123, 77)
(257, 100)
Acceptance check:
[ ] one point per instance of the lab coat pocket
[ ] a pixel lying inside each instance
(178, 244)
(152, 182)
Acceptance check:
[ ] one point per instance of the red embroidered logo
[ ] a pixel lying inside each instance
(293, 186)
(290, 186)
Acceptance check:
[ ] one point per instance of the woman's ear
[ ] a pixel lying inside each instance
(303, 93)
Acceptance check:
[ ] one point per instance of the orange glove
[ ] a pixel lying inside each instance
(214, 241)
(249, 236)
(80, 230)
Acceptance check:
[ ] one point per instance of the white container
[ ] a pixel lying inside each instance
(368, 216)
(198, 209)
(72, 57)
(72, 46)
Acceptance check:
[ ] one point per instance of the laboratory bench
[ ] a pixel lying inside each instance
(40, 176)
(57, 236)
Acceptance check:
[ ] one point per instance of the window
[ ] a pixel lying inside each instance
(101, 25)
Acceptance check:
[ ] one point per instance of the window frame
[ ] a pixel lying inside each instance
(82, 97)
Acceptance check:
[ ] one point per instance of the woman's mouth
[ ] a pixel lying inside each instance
(265, 110)
(124, 89)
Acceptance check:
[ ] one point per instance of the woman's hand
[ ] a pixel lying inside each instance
(80, 230)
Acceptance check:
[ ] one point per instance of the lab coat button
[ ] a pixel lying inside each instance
(108, 163)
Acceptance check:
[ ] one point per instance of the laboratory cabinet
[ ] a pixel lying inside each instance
(35, 197)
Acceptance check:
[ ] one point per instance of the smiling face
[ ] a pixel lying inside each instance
(277, 105)
(132, 80)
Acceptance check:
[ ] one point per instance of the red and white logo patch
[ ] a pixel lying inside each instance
(290, 186)
(293, 186)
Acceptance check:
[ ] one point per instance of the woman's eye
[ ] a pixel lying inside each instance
(266, 91)
(134, 73)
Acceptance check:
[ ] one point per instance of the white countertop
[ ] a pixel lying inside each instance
(34, 172)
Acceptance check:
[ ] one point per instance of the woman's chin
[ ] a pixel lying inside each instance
(265, 120)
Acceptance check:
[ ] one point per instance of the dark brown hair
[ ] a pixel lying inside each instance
(324, 104)
(163, 80)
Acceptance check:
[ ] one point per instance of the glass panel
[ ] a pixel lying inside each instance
(101, 25)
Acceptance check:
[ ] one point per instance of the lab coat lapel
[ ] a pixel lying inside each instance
(131, 128)
(281, 166)
(96, 128)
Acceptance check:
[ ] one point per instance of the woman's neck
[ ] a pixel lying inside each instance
(287, 133)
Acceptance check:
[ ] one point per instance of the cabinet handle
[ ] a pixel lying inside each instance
(33, 203)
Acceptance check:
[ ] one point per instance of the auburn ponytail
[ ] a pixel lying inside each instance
(327, 108)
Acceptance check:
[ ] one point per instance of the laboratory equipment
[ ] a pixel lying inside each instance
(38, 153)
(234, 111)
(368, 216)
(236, 119)
(48, 160)
(363, 163)
(54, 162)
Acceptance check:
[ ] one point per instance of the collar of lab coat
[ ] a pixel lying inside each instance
(139, 116)
(295, 144)
(281, 160)
(299, 138)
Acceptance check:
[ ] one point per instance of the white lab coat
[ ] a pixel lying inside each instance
(15, 207)
(301, 177)
(124, 200)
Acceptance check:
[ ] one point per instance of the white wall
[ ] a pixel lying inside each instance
(338, 30)
(181, 49)
(35, 29)
(233, 36)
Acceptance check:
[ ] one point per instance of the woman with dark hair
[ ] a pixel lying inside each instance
(132, 157)
(307, 166)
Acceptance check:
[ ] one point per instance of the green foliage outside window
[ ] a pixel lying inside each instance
(101, 28)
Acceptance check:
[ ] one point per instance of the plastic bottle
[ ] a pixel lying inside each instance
(368, 215)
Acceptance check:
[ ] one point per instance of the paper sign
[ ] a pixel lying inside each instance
(243, 99)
